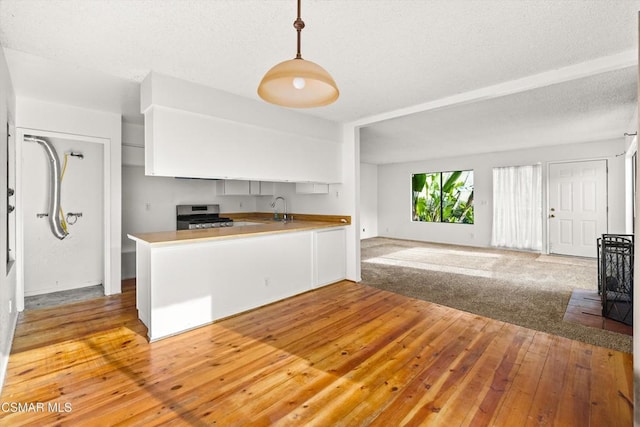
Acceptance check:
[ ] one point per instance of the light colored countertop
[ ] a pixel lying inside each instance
(260, 227)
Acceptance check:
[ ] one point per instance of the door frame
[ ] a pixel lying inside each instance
(106, 195)
(547, 188)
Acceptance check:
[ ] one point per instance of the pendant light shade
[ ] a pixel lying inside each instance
(298, 83)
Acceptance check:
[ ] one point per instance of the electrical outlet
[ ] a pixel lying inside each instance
(240, 204)
(147, 206)
(267, 281)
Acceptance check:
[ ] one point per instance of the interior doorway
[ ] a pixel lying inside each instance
(577, 207)
(50, 264)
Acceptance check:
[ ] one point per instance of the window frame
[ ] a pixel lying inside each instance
(440, 217)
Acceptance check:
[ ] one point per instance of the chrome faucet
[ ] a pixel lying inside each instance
(275, 211)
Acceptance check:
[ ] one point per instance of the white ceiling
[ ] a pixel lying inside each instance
(589, 109)
(385, 55)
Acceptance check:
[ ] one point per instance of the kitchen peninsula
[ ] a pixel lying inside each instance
(190, 278)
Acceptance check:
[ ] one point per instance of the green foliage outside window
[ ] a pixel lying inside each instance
(443, 197)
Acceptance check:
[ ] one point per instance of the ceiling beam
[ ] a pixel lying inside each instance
(628, 58)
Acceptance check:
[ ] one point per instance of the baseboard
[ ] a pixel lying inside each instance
(4, 353)
(42, 291)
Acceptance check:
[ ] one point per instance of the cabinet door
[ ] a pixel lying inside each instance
(310, 188)
(232, 187)
(267, 188)
(254, 188)
(330, 256)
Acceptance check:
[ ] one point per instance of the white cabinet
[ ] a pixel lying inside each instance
(180, 143)
(229, 276)
(198, 131)
(311, 188)
(254, 188)
(235, 187)
(330, 256)
(267, 188)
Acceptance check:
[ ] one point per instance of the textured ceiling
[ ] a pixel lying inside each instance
(384, 54)
(588, 109)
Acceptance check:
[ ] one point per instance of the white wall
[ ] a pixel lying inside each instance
(7, 276)
(322, 204)
(394, 194)
(368, 200)
(34, 116)
(149, 204)
(51, 264)
(630, 184)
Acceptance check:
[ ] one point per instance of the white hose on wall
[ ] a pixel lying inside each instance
(55, 218)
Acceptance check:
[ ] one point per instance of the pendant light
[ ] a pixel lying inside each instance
(298, 83)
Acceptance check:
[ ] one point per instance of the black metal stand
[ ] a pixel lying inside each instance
(615, 276)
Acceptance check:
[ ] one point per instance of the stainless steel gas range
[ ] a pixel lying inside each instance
(191, 217)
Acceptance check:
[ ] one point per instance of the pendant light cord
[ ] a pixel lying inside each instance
(298, 24)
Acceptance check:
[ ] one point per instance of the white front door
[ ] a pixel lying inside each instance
(577, 207)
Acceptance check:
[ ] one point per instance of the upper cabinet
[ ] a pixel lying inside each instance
(192, 130)
(310, 188)
(231, 187)
(234, 187)
(267, 188)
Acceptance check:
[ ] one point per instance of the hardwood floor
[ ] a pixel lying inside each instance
(345, 354)
(585, 308)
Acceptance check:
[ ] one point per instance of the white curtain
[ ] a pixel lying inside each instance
(517, 207)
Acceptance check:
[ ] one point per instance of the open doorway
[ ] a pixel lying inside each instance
(58, 269)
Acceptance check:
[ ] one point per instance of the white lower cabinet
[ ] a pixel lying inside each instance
(188, 284)
(330, 256)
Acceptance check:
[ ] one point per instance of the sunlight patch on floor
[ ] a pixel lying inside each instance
(438, 251)
(431, 267)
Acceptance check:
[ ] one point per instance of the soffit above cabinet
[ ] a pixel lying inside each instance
(196, 136)
(167, 91)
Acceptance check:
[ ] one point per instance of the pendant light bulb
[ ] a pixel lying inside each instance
(299, 83)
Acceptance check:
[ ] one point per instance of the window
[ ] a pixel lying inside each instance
(442, 197)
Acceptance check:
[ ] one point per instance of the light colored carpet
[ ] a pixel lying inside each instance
(526, 289)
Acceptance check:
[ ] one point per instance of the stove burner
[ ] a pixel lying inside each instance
(193, 217)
